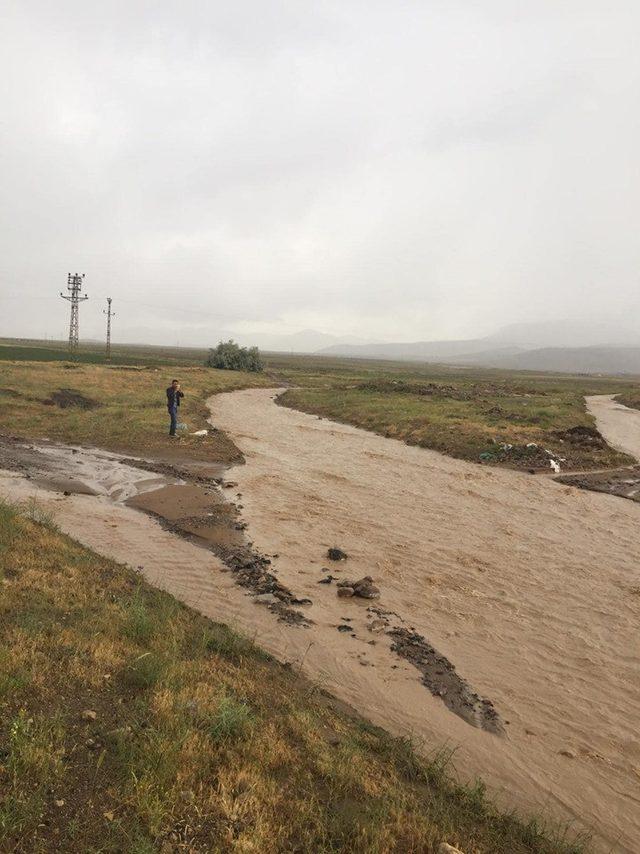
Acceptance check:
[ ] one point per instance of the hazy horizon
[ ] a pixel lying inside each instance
(373, 171)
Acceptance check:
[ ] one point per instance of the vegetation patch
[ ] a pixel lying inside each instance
(131, 723)
(229, 356)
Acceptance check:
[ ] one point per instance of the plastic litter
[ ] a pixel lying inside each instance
(555, 466)
(181, 426)
(200, 433)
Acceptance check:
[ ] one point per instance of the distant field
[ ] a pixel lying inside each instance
(94, 353)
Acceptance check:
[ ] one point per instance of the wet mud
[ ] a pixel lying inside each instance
(199, 512)
(187, 499)
(624, 483)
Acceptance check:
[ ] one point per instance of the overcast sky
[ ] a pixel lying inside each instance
(384, 170)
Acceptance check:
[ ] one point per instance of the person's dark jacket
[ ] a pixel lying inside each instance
(173, 397)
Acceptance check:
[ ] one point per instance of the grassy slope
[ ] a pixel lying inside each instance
(630, 398)
(130, 723)
(468, 412)
(132, 415)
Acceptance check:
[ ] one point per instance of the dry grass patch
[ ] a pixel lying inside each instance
(130, 723)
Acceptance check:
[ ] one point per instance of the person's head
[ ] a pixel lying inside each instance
(175, 383)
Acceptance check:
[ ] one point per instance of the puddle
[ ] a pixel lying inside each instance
(81, 471)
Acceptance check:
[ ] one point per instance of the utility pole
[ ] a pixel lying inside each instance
(74, 286)
(109, 314)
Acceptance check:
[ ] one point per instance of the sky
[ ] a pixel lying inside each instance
(390, 171)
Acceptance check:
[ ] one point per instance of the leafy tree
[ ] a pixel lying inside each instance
(231, 357)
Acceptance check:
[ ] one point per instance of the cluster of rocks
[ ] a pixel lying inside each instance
(364, 588)
(251, 571)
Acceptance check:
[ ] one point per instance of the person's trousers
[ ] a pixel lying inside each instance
(173, 415)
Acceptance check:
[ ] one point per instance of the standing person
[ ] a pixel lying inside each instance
(173, 403)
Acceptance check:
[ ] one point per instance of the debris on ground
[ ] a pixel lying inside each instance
(337, 554)
(529, 455)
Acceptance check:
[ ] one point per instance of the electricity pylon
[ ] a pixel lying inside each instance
(74, 286)
(109, 314)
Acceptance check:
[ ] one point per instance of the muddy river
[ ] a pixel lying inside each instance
(507, 622)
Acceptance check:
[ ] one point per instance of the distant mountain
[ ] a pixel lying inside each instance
(566, 333)
(572, 360)
(563, 345)
(423, 351)
(307, 341)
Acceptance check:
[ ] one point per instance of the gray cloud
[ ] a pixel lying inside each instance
(388, 170)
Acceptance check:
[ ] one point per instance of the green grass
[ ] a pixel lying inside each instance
(130, 723)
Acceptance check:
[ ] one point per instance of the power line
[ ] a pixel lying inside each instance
(74, 286)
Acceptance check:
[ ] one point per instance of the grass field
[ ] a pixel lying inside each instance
(125, 408)
(130, 723)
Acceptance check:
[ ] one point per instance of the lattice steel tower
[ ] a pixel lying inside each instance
(109, 314)
(74, 286)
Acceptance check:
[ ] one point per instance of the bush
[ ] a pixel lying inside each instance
(231, 357)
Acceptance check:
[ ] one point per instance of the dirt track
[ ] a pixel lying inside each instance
(619, 424)
(527, 586)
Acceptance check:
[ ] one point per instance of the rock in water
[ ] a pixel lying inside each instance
(366, 588)
(345, 592)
